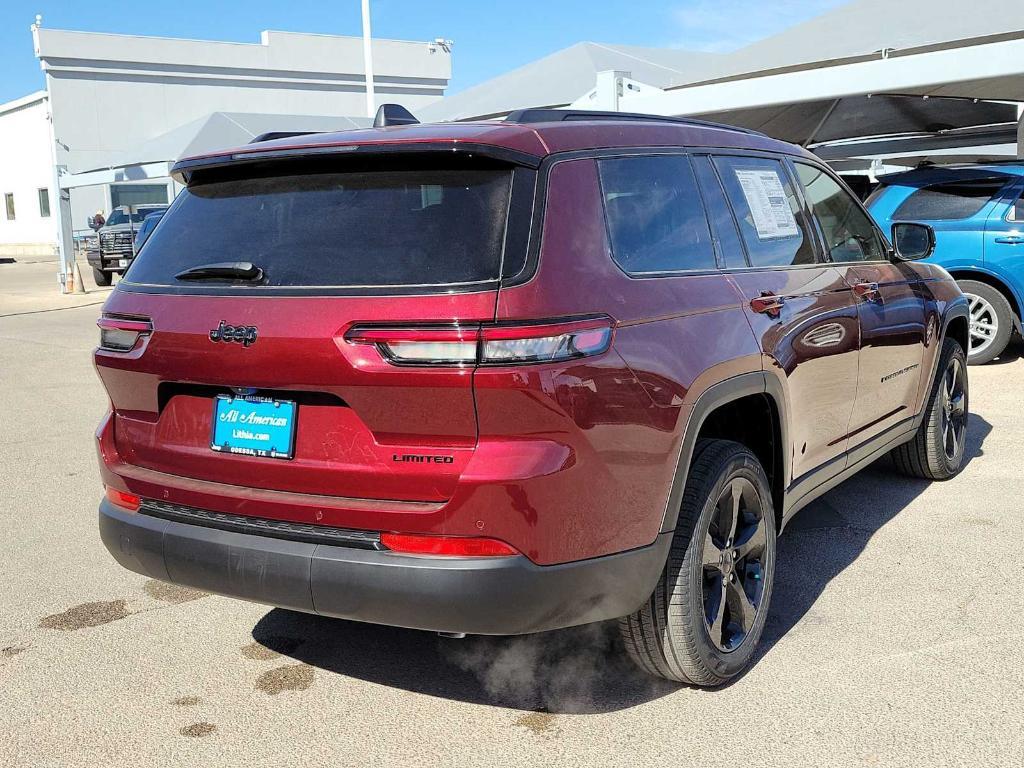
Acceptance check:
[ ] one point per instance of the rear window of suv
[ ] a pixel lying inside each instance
(950, 200)
(387, 228)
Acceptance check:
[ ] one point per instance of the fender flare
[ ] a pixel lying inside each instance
(712, 398)
(954, 309)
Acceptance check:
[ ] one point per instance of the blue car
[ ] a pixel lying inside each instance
(977, 213)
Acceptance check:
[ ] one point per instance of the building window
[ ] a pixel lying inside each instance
(137, 194)
(9, 202)
(44, 203)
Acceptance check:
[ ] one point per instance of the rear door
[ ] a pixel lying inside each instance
(801, 309)
(1004, 232)
(414, 243)
(891, 304)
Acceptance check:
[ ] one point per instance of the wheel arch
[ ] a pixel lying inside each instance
(749, 408)
(995, 281)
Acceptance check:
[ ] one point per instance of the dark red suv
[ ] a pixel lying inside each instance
(505, 377)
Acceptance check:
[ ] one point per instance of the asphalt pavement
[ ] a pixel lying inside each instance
(893, 639)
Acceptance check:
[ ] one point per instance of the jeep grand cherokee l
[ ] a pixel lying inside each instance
(506, 377)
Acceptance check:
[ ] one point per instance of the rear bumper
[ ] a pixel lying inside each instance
(485, 596)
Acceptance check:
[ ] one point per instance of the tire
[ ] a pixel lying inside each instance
(670, 636)
(101, 278)
(928, 455)
(989, 307)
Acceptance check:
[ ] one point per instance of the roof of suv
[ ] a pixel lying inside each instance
(937, 173)
(526, 142)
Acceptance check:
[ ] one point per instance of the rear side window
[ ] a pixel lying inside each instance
(655, 215)
(950, 200)
(367, 229)
(848, 232)
(771, 217)
(1016, 213)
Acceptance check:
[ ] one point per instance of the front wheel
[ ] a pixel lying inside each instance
(937, 450)
(991, 321)
(702, 623)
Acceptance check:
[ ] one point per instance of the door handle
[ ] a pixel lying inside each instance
(768, 304)
(867, 291)
(1011, 240)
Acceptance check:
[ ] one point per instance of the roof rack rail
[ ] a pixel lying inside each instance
(271, 135)
(550, 115)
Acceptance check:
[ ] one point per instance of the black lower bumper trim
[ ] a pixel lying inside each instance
(259, 526)
(483, 596)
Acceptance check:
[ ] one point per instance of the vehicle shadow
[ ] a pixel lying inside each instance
(852, 513)
(1013, 353)
(584, 670)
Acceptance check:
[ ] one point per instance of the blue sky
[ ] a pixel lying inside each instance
(490, 37)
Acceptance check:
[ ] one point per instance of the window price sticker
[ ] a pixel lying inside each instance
(769, 206)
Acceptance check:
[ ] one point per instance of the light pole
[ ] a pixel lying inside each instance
(371, 106)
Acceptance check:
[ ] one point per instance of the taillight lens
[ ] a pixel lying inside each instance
(121, 334)
(446, 546)
(544, 343)
(421, 346)
(124, 500)
(489, 344)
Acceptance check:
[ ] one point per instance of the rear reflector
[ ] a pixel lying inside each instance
(448, 546)
(121, 334)
(489, 344)
(123, 499)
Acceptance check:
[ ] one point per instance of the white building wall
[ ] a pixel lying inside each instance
(25, 168)
(112, 92)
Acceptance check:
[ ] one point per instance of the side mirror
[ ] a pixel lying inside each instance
(913, 241)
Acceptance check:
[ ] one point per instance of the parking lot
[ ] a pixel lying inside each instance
(894, 635)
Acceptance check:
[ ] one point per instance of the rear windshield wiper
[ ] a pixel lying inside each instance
(224, 270)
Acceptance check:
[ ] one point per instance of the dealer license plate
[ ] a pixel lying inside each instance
(254, 426)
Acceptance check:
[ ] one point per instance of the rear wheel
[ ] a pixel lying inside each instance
(991, 321)
(100, 277)
(702, 623)
(937, 450)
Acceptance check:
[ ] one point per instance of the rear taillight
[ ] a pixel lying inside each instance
(121, 334)
(446, 546)
(421, 346)
(124, 500)
(488, 344)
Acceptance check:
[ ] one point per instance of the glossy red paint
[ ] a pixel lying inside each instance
(562, 461)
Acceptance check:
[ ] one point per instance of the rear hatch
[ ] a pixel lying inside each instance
(328, 245)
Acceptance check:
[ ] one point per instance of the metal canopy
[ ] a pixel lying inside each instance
(809, 84)
(818, 122)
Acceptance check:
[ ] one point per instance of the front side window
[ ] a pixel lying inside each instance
(771, 217)
(949, 200)
(848, 232)
(655, 216)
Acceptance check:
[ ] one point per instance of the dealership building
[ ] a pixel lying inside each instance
(117, 110)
